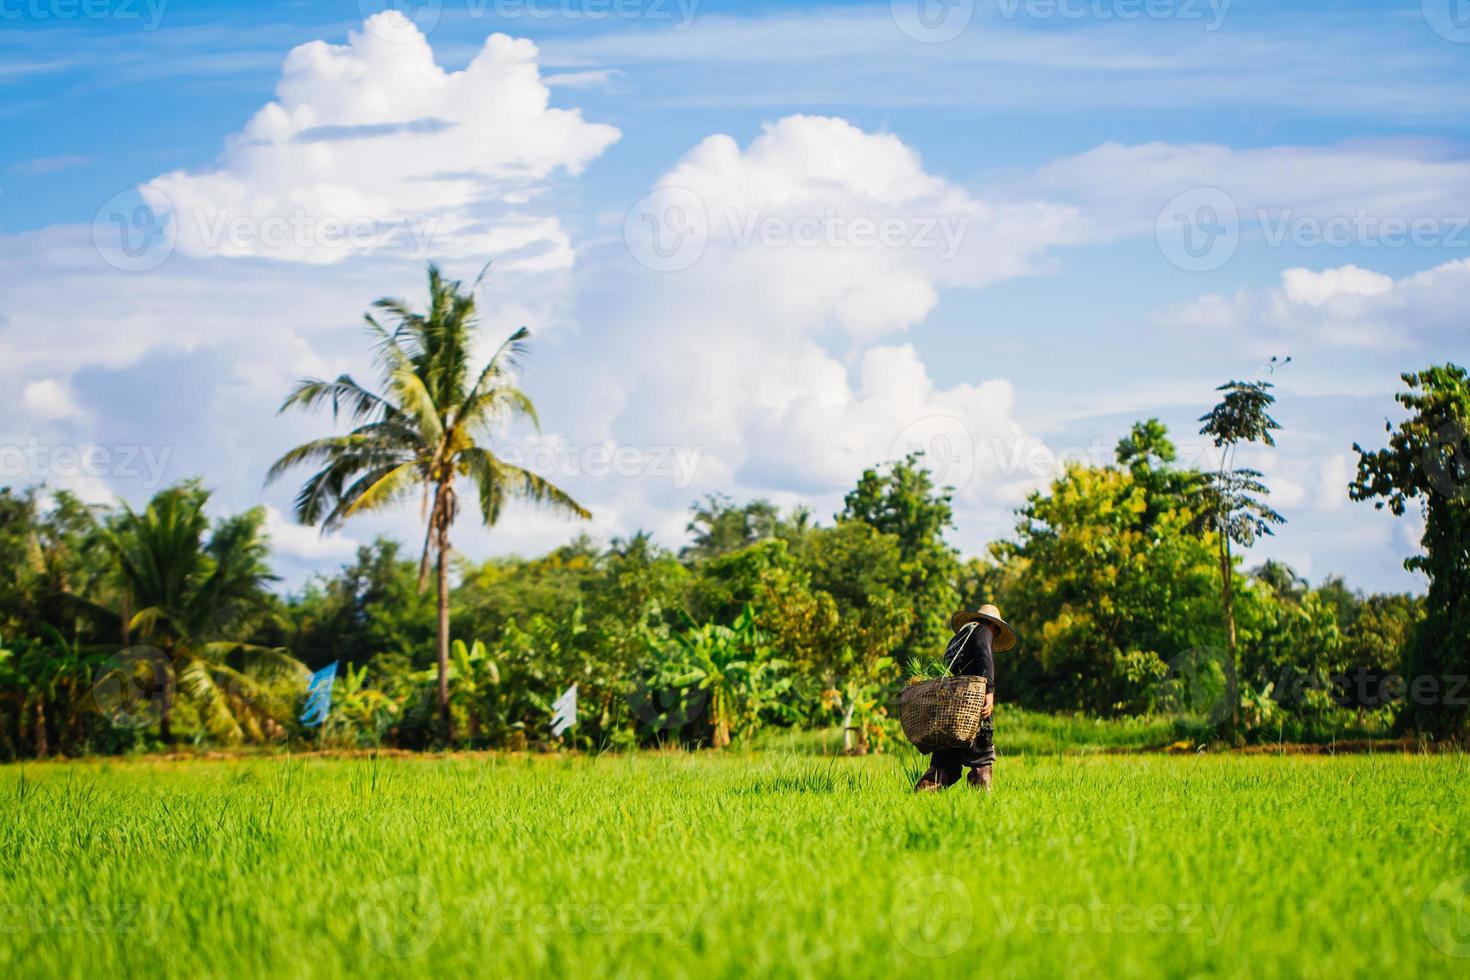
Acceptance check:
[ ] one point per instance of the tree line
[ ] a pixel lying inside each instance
(123, 629)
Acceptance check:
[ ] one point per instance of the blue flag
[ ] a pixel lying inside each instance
(319, 696)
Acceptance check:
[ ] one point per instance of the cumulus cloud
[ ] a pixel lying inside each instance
(764, 323)
(372, 146)
(1346, 306)
(778, 354)
(49, 399)
(822, 224)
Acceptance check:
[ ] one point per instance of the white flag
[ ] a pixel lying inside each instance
(565, 708)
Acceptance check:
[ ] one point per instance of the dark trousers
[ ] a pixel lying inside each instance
(949, 764)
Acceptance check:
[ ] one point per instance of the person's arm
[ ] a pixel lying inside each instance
(982, 655)
(984, 662)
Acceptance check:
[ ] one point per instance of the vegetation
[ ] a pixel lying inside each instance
(125, 629)
(1235, 507)
(733, 865)
(1428, 461)
(418, 437)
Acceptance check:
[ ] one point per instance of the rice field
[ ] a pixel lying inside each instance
(767, 863)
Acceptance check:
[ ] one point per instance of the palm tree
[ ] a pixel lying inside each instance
(417, 437)
(196, 590)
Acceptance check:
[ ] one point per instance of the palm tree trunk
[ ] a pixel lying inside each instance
(443, 574)
(720, 720)
(166, 706)
(42, 749)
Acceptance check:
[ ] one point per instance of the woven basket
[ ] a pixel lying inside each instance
(942, 713)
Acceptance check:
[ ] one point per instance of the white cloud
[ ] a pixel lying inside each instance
(781, 355)
(822, 224)
(372, 146)
(1366, 64)
(1319, 288)
(592, 78)
(49, 399)
(771, 347)
(1335, 308)
(1337, 472)
(296, 541)
(1280, 192)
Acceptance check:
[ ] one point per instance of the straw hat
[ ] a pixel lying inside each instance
(1005, 637)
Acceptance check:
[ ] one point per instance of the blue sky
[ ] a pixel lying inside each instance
(1069, 145)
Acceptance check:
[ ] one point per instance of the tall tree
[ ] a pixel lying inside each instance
(905, 502)
(1428, 460)
(425, 430)
(1108, 584)
(195, 593)
(1237, 511)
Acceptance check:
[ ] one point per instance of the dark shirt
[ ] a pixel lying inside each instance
(970, 653)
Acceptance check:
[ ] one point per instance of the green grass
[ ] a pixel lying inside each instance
(693, 865)
(1022, 733)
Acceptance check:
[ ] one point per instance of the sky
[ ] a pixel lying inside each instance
(760, 246)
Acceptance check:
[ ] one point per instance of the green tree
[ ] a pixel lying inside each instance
(424, 432)
(731, 666)
(840, 616)
(1284, 581)
(196, 593)
(1236, 509)
(44, 676)
(372, 606)
(1427, 461)
(904, 502)
(1107, 584)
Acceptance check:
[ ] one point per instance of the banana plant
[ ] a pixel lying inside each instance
(730, 666)
(474, 679)
(45, 674)
(361, 705)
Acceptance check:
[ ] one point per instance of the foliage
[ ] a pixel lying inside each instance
(730, 669)
(764, 622)
(1106, 583)
(904, 502)
(1427, 461)
(718, 525)
(196, 592)
(1235, 507)
(421, 435)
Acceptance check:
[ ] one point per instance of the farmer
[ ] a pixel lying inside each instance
(976, 635)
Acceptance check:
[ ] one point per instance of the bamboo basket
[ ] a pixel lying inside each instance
(944, 713)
